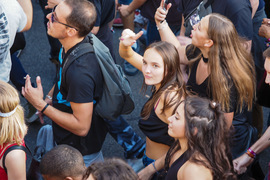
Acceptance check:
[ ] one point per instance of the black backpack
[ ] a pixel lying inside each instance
(117, 96)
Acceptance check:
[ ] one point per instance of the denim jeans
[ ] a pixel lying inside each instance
(125, 136)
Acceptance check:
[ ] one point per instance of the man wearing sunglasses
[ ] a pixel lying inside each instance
(69, 104)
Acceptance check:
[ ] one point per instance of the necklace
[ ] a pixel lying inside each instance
(205, 59)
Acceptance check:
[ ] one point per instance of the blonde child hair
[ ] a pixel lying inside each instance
(12, 125)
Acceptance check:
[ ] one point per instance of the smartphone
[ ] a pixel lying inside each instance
(165, 5)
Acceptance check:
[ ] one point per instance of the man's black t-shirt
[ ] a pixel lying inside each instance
(238, 11)
(174, 16)
(83, 84)
(105, 11)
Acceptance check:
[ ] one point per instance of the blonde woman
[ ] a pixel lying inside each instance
(12, 132)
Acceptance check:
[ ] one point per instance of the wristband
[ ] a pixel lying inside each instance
(153, 163)
(44, 108)
(49, 97)
(268, 40)
(252, 152)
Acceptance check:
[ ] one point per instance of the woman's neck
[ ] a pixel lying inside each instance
(183, 144)
(205, 52)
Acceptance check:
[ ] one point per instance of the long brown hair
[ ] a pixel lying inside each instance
(172, 79)
(208, 140)
(230, 64)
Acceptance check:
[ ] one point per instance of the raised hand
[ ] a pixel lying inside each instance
(128, 37)
(162, 12)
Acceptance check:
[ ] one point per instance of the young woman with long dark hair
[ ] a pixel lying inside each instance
(160, 66)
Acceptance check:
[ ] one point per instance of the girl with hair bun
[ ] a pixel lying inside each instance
(201, 143)
(12, 132)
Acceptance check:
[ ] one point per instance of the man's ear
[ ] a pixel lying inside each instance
(71, 32)
(209, 43)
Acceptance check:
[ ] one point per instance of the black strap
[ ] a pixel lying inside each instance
(209, 2)
(82, 49)
(11, 149)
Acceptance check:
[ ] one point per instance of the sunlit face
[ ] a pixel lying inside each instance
(54, 29)
(177, 123)
(199, 33)
(267, 69)
(153, 68)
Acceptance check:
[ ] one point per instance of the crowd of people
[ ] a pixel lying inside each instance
(204, 62)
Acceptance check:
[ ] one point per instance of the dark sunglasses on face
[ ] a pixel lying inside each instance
(53, 19)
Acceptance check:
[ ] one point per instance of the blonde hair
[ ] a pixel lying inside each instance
(12, 128)
(229, 61)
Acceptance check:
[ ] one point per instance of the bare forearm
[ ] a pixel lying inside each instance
(130, 56)
(135, 4)
(28, 10)
(65, 120)
(262, 143)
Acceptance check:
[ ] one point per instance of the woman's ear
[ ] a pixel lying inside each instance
(209, 43)
(195, 131)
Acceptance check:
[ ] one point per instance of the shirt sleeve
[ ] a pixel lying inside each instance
(80, 84)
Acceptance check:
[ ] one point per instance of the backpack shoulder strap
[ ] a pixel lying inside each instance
(80, 50)
(207, 3)
(11, 149)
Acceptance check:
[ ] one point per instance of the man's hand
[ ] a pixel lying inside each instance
(266, 21)
(34, 95)
(123, 9)
(52, 3)
(264, 31)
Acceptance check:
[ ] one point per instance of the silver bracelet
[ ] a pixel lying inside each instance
(49, 97)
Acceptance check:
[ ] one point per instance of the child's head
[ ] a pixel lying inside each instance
(62, 162)
(110, 169)
(12, 125)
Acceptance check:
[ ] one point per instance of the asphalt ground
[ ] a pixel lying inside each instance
(35, 59)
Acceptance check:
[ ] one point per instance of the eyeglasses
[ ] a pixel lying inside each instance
(53, 19)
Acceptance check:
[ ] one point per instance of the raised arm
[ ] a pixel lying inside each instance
(126, 52)
(165, 32)
(28, 10)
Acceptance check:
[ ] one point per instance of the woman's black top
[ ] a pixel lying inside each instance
(172, 172)
(155, 129)
(242, 129)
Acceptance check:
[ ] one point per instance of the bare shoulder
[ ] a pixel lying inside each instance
(194, 171)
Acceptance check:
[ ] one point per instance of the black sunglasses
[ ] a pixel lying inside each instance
(53, 19)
